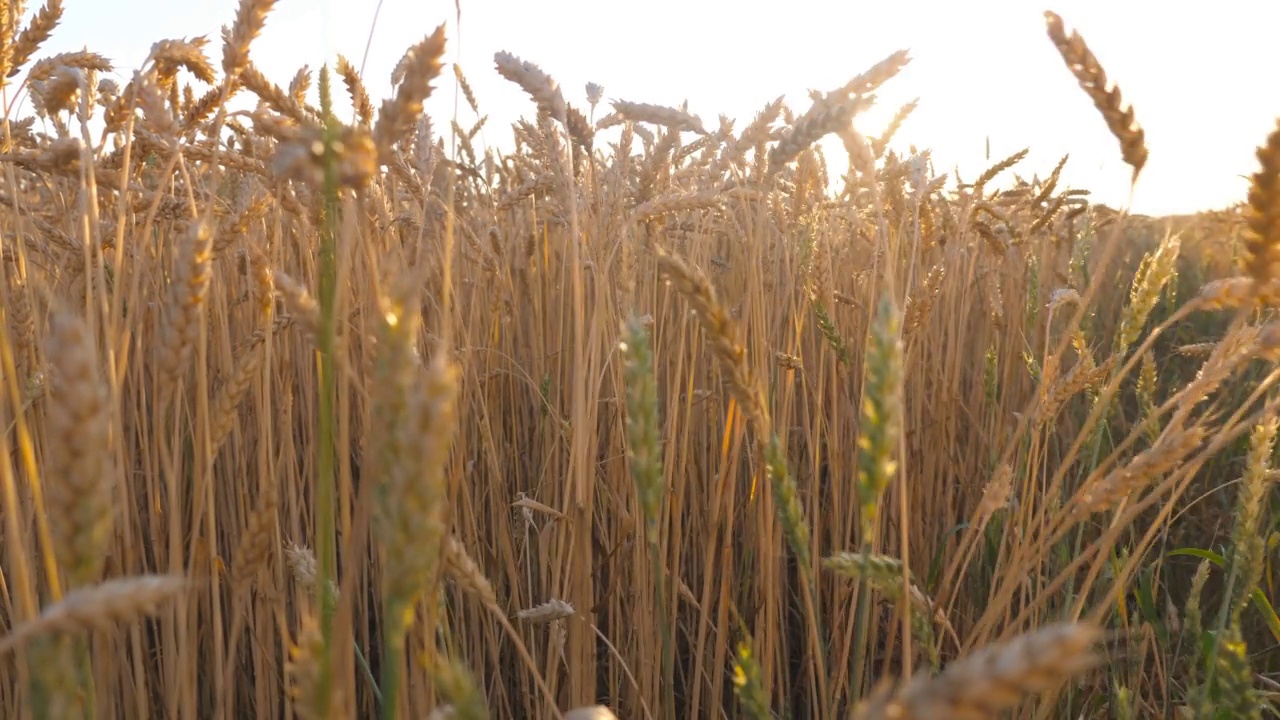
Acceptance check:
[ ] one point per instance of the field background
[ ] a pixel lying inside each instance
(314, 416)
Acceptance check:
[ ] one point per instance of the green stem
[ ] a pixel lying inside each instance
(668, 658)
(393, 653)
(327, 342)
(86, 680)
(368, 673)
(860, 631)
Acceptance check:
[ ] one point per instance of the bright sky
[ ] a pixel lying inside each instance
(982, 69)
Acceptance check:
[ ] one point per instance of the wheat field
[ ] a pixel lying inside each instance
(324, 417)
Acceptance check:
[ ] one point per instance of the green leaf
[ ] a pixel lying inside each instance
(935, 565)
(1260, 600)
(1147, 604)
(1209, 555)
(1268, 612)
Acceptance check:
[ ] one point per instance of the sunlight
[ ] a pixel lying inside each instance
(982, 70)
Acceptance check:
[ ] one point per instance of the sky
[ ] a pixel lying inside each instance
(984, 70)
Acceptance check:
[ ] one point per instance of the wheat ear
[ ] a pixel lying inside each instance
(1262, 242)
(1093, 79)
(996, 678)
(99, 607)
(80, 466)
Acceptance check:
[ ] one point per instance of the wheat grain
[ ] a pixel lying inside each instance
(996, 678)
(313, 697)
(668, 117)
(396, 119)
(187, 293)
(1093, 80)
(832, 114)
(33, 36)
(251, 18)
(876, 75)
(80, 482)
(1167, 455)
(539, 85)
(1262, 243)
(722, 334)
(467, 573)
(99, 608)
(170, 55)
(356, 89)
(44, 68)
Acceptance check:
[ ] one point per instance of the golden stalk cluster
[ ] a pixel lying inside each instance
(370, 427)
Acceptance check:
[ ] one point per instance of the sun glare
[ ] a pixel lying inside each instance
(988, 84)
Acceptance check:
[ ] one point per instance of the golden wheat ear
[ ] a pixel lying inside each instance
(100, 608)
(1262, 214)
(1093, 80)
(998, 677)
